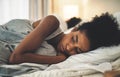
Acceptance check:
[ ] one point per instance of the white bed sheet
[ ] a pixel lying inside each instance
(92, 64)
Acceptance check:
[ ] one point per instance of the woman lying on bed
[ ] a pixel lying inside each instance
(101, 31)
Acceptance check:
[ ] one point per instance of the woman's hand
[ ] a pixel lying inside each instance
(62, 55)
(36, 58)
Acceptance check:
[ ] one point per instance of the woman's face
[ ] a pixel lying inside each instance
(74, 42)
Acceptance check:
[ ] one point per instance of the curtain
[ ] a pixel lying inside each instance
(38, 9)
(23, 9)
(13, 9)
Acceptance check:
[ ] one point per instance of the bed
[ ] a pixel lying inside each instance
(92, 64)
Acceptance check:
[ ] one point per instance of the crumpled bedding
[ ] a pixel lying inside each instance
(91, 64)
(18, 69)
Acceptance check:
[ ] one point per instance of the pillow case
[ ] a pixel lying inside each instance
(95, 57)
(117, 16)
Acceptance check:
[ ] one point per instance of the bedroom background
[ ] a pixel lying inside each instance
(85, 9)
(36, 9)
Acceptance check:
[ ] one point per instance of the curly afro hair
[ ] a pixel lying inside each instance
(101, 31)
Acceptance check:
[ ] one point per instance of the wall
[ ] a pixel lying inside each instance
(87, 8)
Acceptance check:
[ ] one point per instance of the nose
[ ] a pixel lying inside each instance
(70, 47)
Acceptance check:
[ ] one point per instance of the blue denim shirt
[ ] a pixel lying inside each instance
(11, 35)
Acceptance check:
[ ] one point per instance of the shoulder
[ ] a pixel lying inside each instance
(50, 22)
(47, 26)
(52, 18)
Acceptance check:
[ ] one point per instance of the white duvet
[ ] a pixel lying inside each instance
(91, 64)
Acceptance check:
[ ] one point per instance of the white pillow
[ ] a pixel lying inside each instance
(103, 54)
(117, 16)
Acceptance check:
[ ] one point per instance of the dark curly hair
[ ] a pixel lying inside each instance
(101, 31)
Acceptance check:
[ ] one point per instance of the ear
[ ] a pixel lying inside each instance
(74, 29)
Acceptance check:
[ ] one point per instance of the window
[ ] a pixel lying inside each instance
(13, 9)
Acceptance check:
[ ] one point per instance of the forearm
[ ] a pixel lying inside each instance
(36, 58)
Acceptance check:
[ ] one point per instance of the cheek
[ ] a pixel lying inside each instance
(66, 39)
(85, 45)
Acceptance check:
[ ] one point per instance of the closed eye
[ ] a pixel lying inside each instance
(75, 39)
(78, 50)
